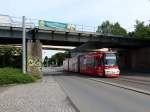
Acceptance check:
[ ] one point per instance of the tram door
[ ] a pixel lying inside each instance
(99, 68)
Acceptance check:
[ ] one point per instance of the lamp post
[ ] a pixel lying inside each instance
(23, 45)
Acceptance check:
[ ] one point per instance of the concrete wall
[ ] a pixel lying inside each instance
(34, 57)
(137, 59)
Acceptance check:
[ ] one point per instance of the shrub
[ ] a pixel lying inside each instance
(15, 76)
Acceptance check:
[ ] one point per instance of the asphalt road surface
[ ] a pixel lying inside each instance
(93, 96)
(131, 82)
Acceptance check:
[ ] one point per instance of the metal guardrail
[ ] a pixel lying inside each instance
(10, 21)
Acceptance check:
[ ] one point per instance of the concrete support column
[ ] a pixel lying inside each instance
(34, 57)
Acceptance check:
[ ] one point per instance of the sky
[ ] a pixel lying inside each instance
(83, 12)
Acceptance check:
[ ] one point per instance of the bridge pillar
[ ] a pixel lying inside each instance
(34, 57)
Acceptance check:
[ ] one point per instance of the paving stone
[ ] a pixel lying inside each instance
(44, 96)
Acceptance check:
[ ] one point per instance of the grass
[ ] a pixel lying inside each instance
(15, 76)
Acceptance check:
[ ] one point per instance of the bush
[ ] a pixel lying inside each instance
(15, 76)
(10, 57)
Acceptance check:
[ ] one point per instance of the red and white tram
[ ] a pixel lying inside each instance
(100, 63)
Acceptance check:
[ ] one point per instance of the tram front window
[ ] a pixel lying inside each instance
(110, 60)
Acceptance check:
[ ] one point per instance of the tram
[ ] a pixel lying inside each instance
(102, 63)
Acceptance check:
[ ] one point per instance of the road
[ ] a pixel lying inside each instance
(93, 96)
(131, 82)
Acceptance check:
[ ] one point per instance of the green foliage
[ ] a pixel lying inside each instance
(118, 30)
(58, 58)
(141, 30)
(110, 28)
(131, 34)
(10, 57)
(15, 76)
(105, 27)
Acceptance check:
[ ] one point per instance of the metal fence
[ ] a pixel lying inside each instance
(10, 21)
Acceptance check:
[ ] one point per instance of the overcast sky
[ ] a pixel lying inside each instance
(86, 12)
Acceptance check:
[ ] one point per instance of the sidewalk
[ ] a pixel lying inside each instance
(2, 89)
(45, 96)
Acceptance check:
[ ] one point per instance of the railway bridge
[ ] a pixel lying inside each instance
(135, 55)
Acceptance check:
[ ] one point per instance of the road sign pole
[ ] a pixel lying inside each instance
(23, 45)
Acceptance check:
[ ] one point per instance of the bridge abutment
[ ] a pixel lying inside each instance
(136, 59)
(34, 57)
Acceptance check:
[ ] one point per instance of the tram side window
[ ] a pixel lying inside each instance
(87, 62)
(82, 62)
(90, 62)
(98, 62)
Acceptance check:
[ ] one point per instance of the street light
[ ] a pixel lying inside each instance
(23, 45)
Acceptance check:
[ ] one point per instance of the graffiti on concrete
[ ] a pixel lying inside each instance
(34, 62)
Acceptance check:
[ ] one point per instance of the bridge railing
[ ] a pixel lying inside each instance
(10, 21)
(86, 28)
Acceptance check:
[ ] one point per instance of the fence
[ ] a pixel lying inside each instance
(10, 21)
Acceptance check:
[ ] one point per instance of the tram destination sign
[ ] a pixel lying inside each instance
(50, 25)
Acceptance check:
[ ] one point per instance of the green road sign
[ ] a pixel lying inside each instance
(56, 26)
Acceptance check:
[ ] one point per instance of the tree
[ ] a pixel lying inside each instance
(141, 30)
(118, 30)
(58, 58)
(110, 28)
(45, 62)
(105, 27)
(131, 34)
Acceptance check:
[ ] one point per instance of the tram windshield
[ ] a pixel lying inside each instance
(110, 59)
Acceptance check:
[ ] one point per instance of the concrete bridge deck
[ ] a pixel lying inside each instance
(13, 35)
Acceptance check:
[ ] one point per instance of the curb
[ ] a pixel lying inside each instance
(73, 105)
(135, 79)
(68, 97)
(8, 85)
(123, 86)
